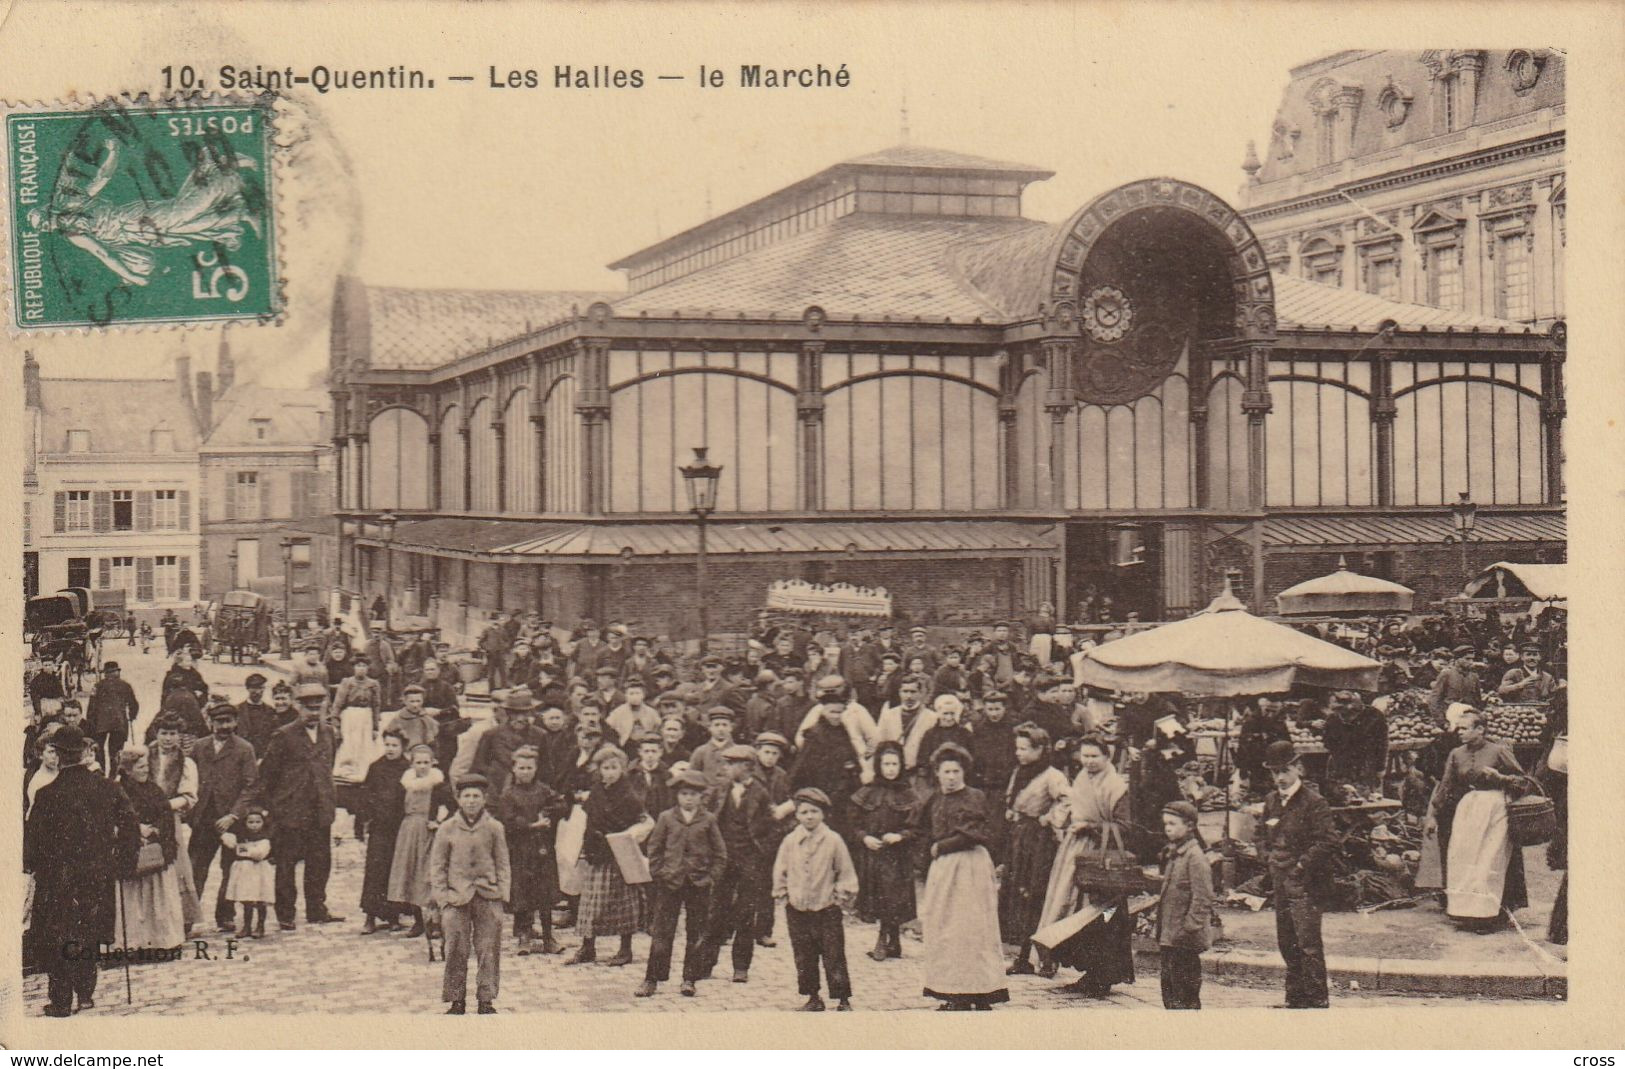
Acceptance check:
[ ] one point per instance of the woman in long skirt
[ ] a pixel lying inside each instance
(150, 914)
(176, 775)
(609, 905)
(383, 808)
(1102, 950)
(529, 812)
(883, 823)
(1034, 801)
(427, 803)
(959, 913)
(1483, 870)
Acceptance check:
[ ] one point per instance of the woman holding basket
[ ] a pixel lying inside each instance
(1097, 818)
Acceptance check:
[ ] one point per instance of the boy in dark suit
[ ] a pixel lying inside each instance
(687, 858)
(745, 814)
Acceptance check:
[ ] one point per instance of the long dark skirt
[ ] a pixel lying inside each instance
(375, 877)
(1026, 879)
(885, 884)
(535, 872)
(1103, 951)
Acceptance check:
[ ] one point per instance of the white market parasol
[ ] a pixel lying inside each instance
(1344, 591)
(1224, 652)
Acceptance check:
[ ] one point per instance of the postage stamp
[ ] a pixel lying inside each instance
(129, 213)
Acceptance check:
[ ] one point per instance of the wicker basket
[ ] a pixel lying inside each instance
(1531, 820)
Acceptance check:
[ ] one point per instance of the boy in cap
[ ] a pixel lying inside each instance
(471, 879)
(1185, 910)
(1300, 839)
(813, 876)
(413, 723)
(707, 757)
(745, 816)
(770, 750)
(1457, 683)
(687, 858)
(255, 719)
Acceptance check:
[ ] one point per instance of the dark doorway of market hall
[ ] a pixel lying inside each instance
(1112, 570)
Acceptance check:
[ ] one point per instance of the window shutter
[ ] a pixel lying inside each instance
(104, 573)
(298, 489)
(143, 579)
(101, 510)
(143, 510)
(185, 566)
(231, 496)
(265, 496)
(59, 512)
(183, 508)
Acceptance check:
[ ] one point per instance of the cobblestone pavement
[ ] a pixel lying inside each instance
(332, 968)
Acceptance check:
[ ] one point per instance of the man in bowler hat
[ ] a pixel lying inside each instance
(1299, 839)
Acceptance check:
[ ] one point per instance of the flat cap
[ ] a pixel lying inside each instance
(473, 779)
(690, 780)
(813, 796)
(772, 738)
(719, 712)
(310, 690)
(739, 752)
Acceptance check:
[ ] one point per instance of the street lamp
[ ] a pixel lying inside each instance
(387, 521)
(1464, 517)
(287, 613)
(701, 478)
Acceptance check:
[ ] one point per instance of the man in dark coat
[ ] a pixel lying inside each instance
(296, 784)
(1300, 839)
(827, 761)
(992, 746)
(225, 769)
(113, 709)
(493, 756)
(1356, 740)
(81, 836)
(256, 720)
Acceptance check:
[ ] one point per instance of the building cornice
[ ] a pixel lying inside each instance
(1540, 146)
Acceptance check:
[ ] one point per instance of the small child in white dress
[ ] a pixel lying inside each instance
(253, 877)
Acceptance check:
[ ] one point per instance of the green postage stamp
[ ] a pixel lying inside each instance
(130, 213)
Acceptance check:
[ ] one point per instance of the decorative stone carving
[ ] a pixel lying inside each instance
(1509, 196)
(1394, 101)
(1525, 65)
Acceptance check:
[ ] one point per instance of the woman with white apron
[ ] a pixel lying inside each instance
(1483, 868)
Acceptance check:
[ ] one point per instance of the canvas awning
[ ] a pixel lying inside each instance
(1224, 651)
(1344, 591)
(518, 540)
(1508, 579)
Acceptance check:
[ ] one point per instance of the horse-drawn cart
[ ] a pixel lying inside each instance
(241, 627)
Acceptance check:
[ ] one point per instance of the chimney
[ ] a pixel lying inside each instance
(33, 397)
(226, 369)
(183, 378)
(205, 403)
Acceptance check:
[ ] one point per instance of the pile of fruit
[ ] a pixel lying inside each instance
(1307, 733)
(1515, 725)
(1411, 724)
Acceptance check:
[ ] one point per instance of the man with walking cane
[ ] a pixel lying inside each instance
(81, 836)
(1299, 840)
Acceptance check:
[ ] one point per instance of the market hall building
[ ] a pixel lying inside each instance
(911, 385)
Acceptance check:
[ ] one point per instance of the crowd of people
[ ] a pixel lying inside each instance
(968, 786)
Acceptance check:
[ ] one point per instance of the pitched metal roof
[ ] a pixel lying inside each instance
(416, 328)
(1304, 305)
(995, 538)
(120, 414)
(1377, 530)
(921, 156)
(859, 265)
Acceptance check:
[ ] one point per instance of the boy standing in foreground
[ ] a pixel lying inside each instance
(813, 876)
(686, 859)
(470, 878)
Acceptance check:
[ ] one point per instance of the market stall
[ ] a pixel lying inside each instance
(1344, 593)
(1511, 586)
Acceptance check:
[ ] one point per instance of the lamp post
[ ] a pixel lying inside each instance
(287, 600)
(701, 478)
(1463, 518)
(387, 521)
